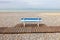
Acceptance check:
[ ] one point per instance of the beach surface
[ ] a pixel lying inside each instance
(10, 19)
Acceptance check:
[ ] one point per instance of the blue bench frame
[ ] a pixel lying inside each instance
(31, 20)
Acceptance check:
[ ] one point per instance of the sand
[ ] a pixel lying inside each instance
(10, 19)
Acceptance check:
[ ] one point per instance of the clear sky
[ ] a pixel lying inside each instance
(29, 4)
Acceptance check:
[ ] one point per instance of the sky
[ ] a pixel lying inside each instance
(29, 4)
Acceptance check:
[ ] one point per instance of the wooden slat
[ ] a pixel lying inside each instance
(30, 28)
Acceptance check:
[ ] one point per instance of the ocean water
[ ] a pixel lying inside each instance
(29, 10)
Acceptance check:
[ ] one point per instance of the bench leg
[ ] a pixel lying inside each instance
(38, 24)
(24, 24)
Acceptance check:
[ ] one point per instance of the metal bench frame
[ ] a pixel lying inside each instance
(37, 20)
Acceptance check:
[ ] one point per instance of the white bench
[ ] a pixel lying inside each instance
(31, 20)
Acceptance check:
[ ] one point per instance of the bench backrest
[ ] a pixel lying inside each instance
(31, 19)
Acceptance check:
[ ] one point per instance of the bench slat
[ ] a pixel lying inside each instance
(30, 18)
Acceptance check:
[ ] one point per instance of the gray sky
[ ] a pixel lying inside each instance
(36, 4)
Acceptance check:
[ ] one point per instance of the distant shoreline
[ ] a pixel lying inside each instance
(29, 10)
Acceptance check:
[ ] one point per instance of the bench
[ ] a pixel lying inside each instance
(31, 20)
